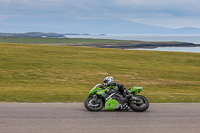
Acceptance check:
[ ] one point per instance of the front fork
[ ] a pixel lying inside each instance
(95, 99)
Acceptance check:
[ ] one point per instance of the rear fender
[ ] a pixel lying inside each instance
(135, 90)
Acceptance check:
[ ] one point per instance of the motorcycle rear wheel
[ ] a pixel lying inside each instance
(93, 105)
(139, 106)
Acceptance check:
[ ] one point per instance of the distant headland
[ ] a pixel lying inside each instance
(40, 34)
(62, 40)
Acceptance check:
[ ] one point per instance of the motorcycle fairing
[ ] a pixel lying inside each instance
(111, 104)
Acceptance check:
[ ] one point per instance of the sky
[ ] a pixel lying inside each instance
(56, 15)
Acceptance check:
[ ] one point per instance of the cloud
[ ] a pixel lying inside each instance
(44, 6)
(182, 6)
(153, 12)
(106, 8)
(157, 3)
(166, 13)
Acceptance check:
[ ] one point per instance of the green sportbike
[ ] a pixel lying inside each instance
(109, 99)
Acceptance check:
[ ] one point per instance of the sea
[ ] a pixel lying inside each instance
(191, 38)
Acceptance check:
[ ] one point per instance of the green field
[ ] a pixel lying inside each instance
(42, 73)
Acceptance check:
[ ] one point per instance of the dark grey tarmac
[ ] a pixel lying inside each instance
(74, 118)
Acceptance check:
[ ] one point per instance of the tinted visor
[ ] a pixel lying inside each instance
(106, 81)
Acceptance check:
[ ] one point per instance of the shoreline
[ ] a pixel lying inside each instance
(99, 43)
(142, 44)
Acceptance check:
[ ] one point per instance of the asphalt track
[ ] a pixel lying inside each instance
(74, 118)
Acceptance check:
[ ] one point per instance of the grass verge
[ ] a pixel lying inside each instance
(38, 73)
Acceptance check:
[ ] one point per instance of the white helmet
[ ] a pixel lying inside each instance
(108, 80)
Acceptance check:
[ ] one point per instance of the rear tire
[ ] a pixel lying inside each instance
(139, 106)
(92, 105)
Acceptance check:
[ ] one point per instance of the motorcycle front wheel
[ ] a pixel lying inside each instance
(93, 104)
(141, 105)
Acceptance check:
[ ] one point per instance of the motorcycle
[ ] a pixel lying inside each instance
(109, 99)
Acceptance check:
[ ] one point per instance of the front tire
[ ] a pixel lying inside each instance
(141, 105)
(93, 105)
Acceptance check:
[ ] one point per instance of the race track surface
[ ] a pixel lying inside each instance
(74, 118)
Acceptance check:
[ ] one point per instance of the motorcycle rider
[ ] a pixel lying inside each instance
(125, 94)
